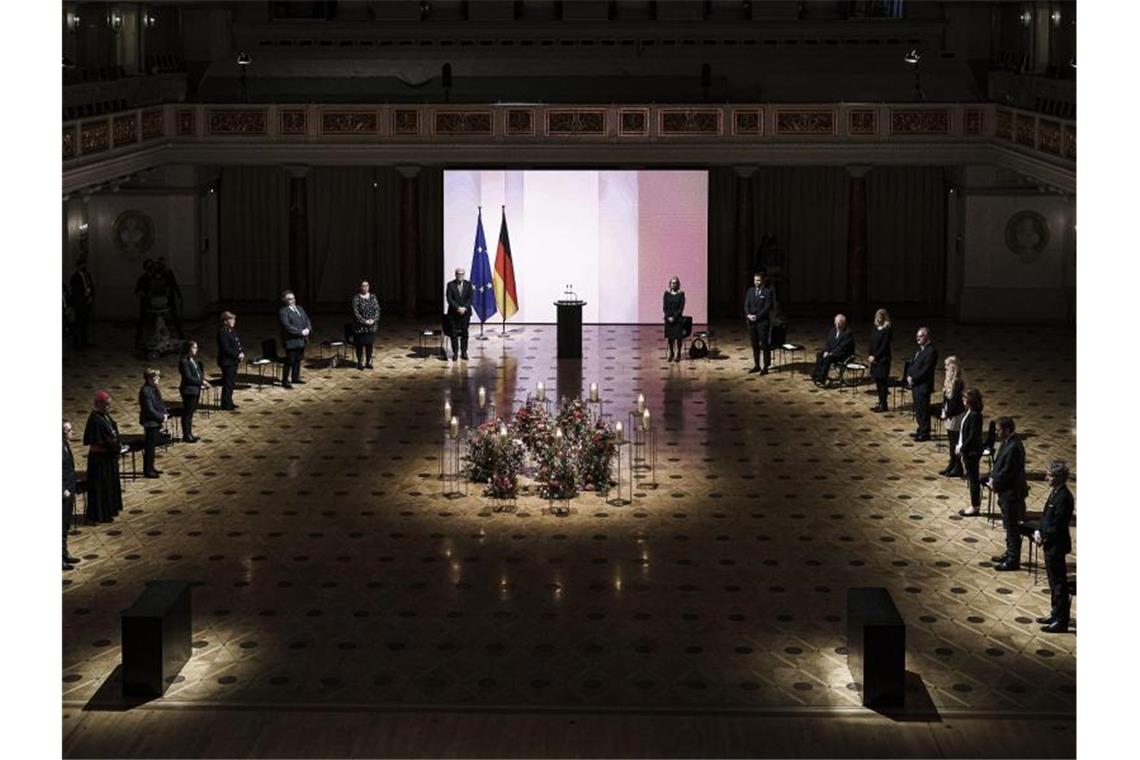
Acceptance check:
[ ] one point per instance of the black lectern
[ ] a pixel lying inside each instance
(569, 329)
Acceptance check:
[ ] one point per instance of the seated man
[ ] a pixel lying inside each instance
(839, 348)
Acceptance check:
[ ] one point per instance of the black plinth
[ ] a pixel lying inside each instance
(876, 646)
(156, 638)
(569, 329)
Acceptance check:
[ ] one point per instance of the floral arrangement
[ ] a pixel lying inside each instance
(557, 468)
(581, 458)
(596, 456)
(533, 424)
(495, 457)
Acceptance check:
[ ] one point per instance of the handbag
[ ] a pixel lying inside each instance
(698, 349)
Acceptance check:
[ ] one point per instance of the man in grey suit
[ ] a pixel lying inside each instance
(295, 329)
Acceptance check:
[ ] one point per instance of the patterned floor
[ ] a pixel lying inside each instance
(328, 567)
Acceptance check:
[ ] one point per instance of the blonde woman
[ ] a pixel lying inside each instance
(879, 357)
(953, 409)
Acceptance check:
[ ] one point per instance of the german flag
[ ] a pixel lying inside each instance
(506, 295)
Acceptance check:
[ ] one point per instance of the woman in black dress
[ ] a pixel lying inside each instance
(673, 304)
(970, 449)
(880, 357)
(193, 380)
(365, 316)
(101, 436)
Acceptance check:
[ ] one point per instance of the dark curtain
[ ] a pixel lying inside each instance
(253, 254)
(805, 209)
(353, 235)
(724, 289)
(429, 267)
(906, 235)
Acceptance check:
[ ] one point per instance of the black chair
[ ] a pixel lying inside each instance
(989, 442)
(269, 356)
(898, 385)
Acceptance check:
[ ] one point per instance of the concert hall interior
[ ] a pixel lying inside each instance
(382, 446)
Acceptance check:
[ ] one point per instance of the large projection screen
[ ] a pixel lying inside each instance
(615, 237)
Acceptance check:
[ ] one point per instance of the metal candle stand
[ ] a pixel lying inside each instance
(617, 500)
(601, 404)
(646, 442)
(450, 467)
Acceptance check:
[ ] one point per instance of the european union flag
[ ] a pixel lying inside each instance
(483, 297)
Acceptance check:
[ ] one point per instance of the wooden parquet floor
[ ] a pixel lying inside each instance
(330, 570)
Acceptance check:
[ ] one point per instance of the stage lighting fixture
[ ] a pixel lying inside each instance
(243, 59)
(913, 56)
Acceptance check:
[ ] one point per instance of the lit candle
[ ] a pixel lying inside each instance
(640, 403)
(558, 434)
(619, 431)
(454, 427)
(645, 420)
(446, 412)
(482, 397)
(541, 394)
(593, 392)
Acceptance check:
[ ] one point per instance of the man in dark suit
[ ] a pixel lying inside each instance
(295, 329)
(459, 312)
(82, 302)
(1008, 481)
(1053, 536)
(759, 302)
(920, 378)
(152, 416)
(69, 485)
(230, 355)
(839, 348)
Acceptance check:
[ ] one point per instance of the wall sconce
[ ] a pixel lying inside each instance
(1026, 17)
(116, 21)
(72, 21)
(83, 228)
(243, 59)
(149, 21)
(1055, 17)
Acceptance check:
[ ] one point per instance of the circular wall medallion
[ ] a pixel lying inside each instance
(1026, 234)
(133, 233)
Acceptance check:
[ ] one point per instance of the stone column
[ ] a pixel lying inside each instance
(745, 238)
(299, 233)
(857, 240)
(409, 235)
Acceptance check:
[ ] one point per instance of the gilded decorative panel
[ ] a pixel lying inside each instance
(236, 122)
(1004, 127)
(68, 142)
(1023, 130)
(152, 123)
(920, 122)
(349, 122)
(747, 122)
(94, 136)
(125, 129)
(405, 121)
(462, 123)
(184, 121)
(690, 121)
(862, 122)
(520, 121)
(805, 122)
(633, 122)
(576, 121)
(1069, 142)
(1049, 137)
(293, 121)
(973, 124)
